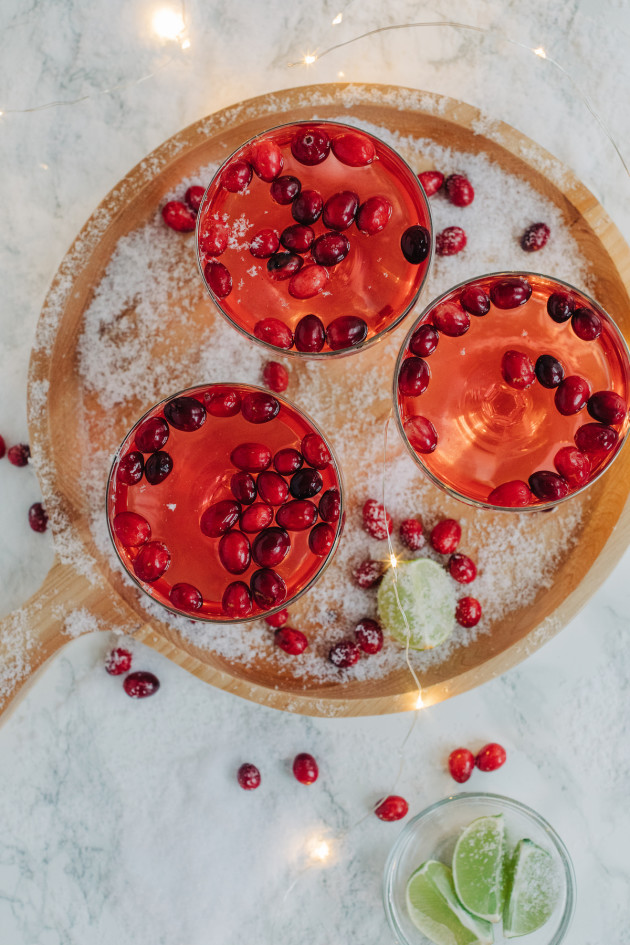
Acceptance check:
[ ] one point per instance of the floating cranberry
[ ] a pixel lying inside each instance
(290, 640)
(270, 547)
(151, 561)
(392, 808)
(275, 376)
(185, 597)
(468, 612)
(415, 244)
(330, 505)
(278, 619)
(310, 146)
(297, 515)
(517, 370)
(178, 216)
(266, 158)
(340, 210)
(411, 533)
(243, 487)
(347, 331)
(237, 600)
(235, 552)
(118, 662)
(607, 407)
(264, 244)
(586, 324)
(369, 635)
(140, 685)
(450, 241)
(218, 278)
(38, 517)
(305, 768)
(321, 538)
(353, 149)
(560, 307)
(571, 395)
(130, 468)
(459, 190)
(310, 334)
(256, 517)
(224, 403)
(131, 529)
(285, 189)
(272, 488)
(475, 300)
(194, 196)
(151, 435)
(315, 451)
(450, 319)
(213, 238)
(219, 518)
(424, 341)
(236, 177)
(373, 215)
(377, 521)
(535, 237)
(596, 439)
(330, 249)
(2, 447)
(308, 282)
(344, 654)
(413, 377)
(307, 206)
(251, 457)
(305, 484)
(288, 461)
(461, 764)
(274, 332)
(282, 266)
(446, 536)
(157, 467)
(491, 757)
(268, 588)
(259, 407)
(368, 573)
(573, 466)
(510, 293)
(297, 237)
(248, 776)
(431, 181)
(185, 413)
(549, 371)
(421, 434)
(462, 568)
(515, 494)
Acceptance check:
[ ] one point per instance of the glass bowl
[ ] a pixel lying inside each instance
(433, 833)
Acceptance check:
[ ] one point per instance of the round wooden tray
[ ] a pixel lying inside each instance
(56, 391)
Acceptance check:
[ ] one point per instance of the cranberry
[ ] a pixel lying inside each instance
(340, 210)
(194, 196)
(243, 487)
(330, 249)
(468, 612)
(297, 515)
(369, 635)
(330, 505)
(130, 468)
(178, 216)
(256, 517)
(413, 377)
(151, 435)
(185, 597)
(596, 439)
(218, 278)
(235, 552)
(310, 334)
(571, 395)
(373, 215)
(185, 413)
(307, 206)
(151, 561)
(459, 190)
(586, 324)
(275, 376)
(548, 486)
(424, 341)
(305, 484)
(450, 319)
(415, 244)
(549, 371)
(515, 494)
(431, 181)
(535, 237)
(421, 434)
(491, 757)
(224, 403)
(310, 146)
(272, 488)
(450, 241)
(607, 407)
(354, 149)
(157, 467)
(308, 282)
(38, 517)
(278, 619)
(462, 568)
(321, 539)
(305, 768)
(347, 331)
(131, 529)
(141, 684)
(213, 238)
(2, 447)
(517, 370)
(264, 244)
(266, 158)
(268, 588)
(19, 456)
(315, 451)
(236, 177)
(446, 536)
(461, 764)
(344, 654)
(475, 300)
(259, 407)
(251, 457)
(560, 306)
(368, 573)
(573, 466)
(510, 293)
(248, 776)
(297, 237)
(377, 522)
(282, 266)
(274, 332)
(237, 600)
(288, 461)
(411, 535)
(219, 518)
(285, 189)
(270, 547)
(118, 662)
(392, 808)
(290, 640)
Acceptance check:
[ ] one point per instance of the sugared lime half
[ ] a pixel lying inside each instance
(435, 909)
(426, 595)
(533, 890)
(478, 867)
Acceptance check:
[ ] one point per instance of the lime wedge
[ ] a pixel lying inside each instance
(533, 890)
(478, 863)
(434, 909)
(426, 596)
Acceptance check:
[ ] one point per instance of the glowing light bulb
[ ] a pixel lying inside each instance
(341, 75)
(337, 19)
(1, 114)
(309, 59)
(186, 44)
(393, 560)
(44, 167)
(168, 24)
(419, 701)
(540, 52)
(321, 851)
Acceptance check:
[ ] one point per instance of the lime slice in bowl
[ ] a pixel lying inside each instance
(435, 909)
(425, 593)
(478, 867)
(533, 889)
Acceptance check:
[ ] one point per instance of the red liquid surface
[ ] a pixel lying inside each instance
(200, 477)
(488, 432)
(374, 281)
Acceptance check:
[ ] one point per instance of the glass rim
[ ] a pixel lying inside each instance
(326, 561)
(453, 493)
(318, 355)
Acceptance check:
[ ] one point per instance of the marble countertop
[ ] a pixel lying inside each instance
(120, 820)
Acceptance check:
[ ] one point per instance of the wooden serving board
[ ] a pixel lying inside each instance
(56, 392)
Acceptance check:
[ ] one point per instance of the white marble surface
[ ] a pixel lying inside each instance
(120, 821)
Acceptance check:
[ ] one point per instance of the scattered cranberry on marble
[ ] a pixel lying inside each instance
(305, 768)
(459, 190)
(450, 241)
(141, 684)
(19, 455)
(118, 662)
(446, 536)
(535, 237)
(391, 808)
(462, 568)
(461, 764)
(248, 776)
(490, 757)
(3, 447)
(411, 533)
(38, 517)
